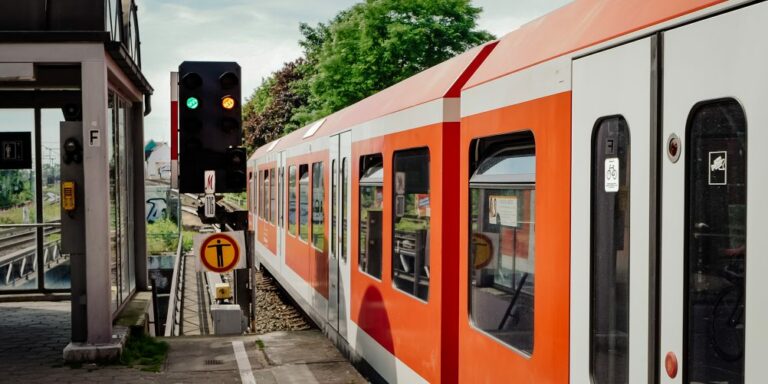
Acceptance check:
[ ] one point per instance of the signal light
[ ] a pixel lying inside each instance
(192, 102)
(228, 80)
(228, 102)
(192, 80)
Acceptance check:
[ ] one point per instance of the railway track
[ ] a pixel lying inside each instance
(15, 238)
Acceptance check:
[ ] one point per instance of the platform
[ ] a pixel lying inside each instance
(33, 334)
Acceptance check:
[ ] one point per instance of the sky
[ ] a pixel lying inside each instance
(260, 35)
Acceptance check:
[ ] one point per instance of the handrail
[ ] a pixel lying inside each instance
(174, 301)
(35, 225)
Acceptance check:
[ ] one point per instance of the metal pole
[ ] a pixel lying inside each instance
(39, 201)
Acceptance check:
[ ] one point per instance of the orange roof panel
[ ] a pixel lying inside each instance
(575, 26)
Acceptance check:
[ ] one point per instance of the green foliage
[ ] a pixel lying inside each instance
(145, 352)
(15, 188)
(362, 50)
(162, 237)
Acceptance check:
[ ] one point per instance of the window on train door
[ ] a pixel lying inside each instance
(304, 202)
(501, 244)
(334, 207)
(267, 191)
(371, 214)
(344, 207)
(318, 214)
(280, 196)
(716, 252)
(292, 200)
(609, 293)
(410, 217)
(260, 182)
(272, 197)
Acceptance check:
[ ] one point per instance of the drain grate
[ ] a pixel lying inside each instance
(213, 362)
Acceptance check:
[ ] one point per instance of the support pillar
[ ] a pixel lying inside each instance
(96, 200)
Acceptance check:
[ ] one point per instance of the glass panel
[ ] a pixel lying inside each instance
(125, 233)
(304, 202)
(114, 213)
(292, 200)
(57, 268)
(334, 208)
(371, 219)
(716, 247)
(267, 195)
(344, 207)
(280, 196)
(410, 243)
(18, 250)
(502, 248)
(609, 309)
(272, 197)
(318, 218)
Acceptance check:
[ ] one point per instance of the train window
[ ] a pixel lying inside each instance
(716, 202)
(292, 200)
(267, 191)
(280, 196)
(318, 214)
(344, 207)
(261, 194)
(411, 213)
(272, 197)
(371, 213)
(304, 202)
(609, 308)
(502, 257)
(334, 207)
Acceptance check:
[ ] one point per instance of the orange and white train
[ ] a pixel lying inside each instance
(574, 202)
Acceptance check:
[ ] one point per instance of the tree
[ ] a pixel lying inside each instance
(362, 50)
(267, 114)
(381, 42)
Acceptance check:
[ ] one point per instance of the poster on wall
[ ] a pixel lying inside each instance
(502, 210)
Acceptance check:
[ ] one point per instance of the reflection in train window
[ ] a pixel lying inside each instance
(318, 219)
(304, 202)
(272, 197)
(410, 215)
(344, 207)
(609, 308)
(716, 251)
(292, 200)
(280, 195)
(334, 207)
(501, 262)
(371, 214)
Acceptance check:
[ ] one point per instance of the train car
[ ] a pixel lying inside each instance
(571, 203)
(349, 218)
(604, 235)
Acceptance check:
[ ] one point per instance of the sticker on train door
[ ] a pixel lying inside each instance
(718, 168)
(612, 174)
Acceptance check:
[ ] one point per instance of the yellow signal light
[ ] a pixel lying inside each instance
(228, 102)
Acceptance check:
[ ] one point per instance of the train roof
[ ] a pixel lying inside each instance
(444, 80)
(576, 26)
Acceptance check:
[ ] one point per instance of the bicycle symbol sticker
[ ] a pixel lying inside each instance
(612, 174)
(718, 168)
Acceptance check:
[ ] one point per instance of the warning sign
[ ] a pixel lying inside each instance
(220, 252)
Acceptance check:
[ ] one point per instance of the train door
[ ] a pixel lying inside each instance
(338, 264)
(713, 309)
(333, 254)
(281, 183)
(610, 214)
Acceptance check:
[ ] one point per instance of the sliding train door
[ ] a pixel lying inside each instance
(338, 266)
(281, 188)
(713, 308)
(611, 223)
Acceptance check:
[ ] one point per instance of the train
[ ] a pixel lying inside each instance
(570, 203)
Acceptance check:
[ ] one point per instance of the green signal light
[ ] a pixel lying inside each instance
(192, 102)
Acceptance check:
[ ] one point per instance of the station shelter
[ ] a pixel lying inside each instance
(72, 103)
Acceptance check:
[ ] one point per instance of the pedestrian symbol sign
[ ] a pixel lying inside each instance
(220, 252)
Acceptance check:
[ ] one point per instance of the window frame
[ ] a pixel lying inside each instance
(293, 189)
(309, 203)
(393, 217)
(500, 183)
(312, 188)
(363, 183)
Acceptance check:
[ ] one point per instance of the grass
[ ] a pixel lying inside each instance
(259, 344)
(145, 353)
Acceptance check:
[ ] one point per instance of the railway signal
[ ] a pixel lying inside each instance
(210, 122)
